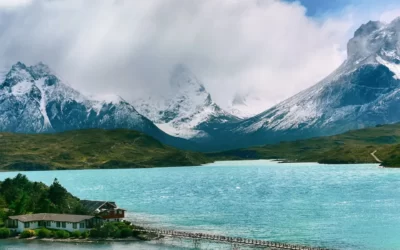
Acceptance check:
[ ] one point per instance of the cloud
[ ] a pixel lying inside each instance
(130, 47)
(389, 15)
(13, 3)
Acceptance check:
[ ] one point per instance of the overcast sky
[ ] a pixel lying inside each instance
(272, 49)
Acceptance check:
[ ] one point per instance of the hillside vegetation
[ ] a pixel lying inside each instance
(93, 148)
(351, 147)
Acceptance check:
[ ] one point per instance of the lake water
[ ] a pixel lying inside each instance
(334, 206)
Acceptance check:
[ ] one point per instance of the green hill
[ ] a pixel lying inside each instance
(97, 148)
(352, 147)
(94, 148)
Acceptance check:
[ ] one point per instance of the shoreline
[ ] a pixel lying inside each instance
(279, 161)
(82, 240)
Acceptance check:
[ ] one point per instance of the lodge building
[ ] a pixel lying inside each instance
(68, 222)
(99, 212)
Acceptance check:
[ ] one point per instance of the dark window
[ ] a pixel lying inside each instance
(64, 224)
(58, 224)
(82, 225)
(74, 225)
(26, 224)
(48, 223)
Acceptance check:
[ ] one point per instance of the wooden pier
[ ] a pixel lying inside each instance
(226, 239)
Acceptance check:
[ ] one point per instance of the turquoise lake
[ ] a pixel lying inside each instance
(334, 206)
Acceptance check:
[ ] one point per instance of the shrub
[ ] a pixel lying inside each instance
(44, 233)
(27, 233)
(14, 233)
(103, 233)
(4, 233)
(84, 235)
(117, 234)
(126, 232)
(76, 234)
(108, 230)
(135, 233)
(94, 233)
(62, 234)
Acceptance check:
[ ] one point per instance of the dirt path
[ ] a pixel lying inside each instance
(375, 157)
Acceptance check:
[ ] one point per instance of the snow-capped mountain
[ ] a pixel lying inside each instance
(364, 91)
(34, 100)
(187, 110)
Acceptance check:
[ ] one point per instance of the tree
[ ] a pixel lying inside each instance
(21, 204)
(20, 196)
(58, 195)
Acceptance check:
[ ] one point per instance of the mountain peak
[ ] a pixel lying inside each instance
(239, 99)
(188, 110)
(368, 28)
(183, 78)
(108, 99)
(395, 22)
(374, 39)
(18, 65)
(40, 69)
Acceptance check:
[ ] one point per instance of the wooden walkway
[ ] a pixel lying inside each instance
(225, 239)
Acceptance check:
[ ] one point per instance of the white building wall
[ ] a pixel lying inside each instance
(21, 226)
(68, 226)
(53, 225)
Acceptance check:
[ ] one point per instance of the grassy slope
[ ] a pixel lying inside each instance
(351, 147)
(95, 148)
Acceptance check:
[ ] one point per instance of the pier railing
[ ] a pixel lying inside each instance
(227, 239)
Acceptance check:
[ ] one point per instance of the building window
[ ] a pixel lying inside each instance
(82, 225)
(58, 224)
(74, 225)
(26, 224)
(48, 223)
(64, 224)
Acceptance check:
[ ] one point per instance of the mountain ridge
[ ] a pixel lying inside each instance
(34, 100)
(363, 92)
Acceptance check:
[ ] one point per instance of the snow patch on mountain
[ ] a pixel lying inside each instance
(43, 103)
(21, 88)
(107, 98)
(395, 68)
